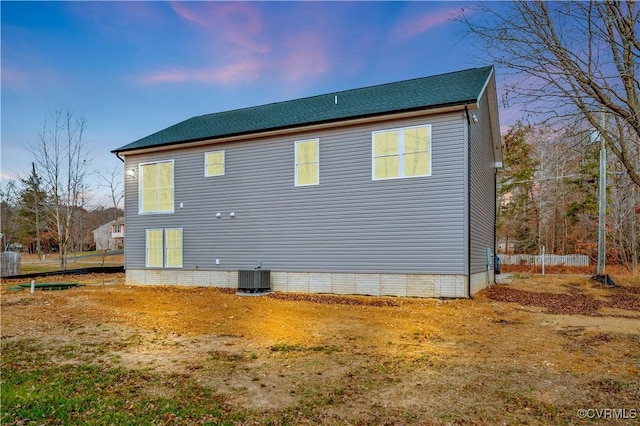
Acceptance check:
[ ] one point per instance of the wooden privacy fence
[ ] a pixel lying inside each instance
(9, 263)
(549, 259)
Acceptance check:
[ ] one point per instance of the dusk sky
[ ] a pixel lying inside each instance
(133, 68)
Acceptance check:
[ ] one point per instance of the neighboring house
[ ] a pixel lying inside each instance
(506, 246)
(382, 190)
(110, 235)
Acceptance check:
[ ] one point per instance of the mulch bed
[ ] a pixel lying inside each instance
(622, 297)
(326, 299)
(536, 269)
(333, 300)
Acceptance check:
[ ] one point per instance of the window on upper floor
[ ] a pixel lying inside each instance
(164, 248)
(401, 153)
(156, 187)
(214, 163)
(307, 162)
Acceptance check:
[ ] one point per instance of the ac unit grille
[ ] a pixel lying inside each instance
(253, 281)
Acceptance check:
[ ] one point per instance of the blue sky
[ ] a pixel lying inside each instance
(133, 68)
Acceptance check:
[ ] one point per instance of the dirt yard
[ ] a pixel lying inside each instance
(538, 350)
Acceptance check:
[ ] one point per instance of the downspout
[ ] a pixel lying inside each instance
(495, 221)
(466, 110)
(119, 158)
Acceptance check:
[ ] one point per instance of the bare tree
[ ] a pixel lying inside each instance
(61, 157)
(557, 163)
(621, 220)
(112, 180)
(567, 62)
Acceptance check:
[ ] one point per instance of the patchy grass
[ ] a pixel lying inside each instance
(38, 391)
(285, 347)
(112, 354)
(31, 264)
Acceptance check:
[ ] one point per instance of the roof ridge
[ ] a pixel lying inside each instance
(428, 92)
(338, 92)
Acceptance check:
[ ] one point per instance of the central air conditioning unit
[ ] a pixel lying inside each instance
(254, 281)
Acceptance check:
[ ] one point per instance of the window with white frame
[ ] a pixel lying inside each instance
(164, 248)
(307, 162)
(173, 248)
(156, 187)
(154, 248)
(214, 163)
(401, 153)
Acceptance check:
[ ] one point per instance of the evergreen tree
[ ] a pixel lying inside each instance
(518, 216)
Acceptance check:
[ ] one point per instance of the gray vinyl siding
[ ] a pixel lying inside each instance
(346, 223)
(482, 190)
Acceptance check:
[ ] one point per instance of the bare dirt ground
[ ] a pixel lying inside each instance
(533, 351)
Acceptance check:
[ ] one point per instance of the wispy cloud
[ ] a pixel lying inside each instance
(29, 78)
(12, 76)
(8, 176)
(239, 42)
(230, 73)
(423, 23)
(183, 11)
(239, 24)
(233, 44)
(305, 57)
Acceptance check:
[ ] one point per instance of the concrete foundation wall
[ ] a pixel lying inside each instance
(480, 281)
(402, 285)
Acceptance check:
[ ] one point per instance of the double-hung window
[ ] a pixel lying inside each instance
(214, 163)
(154, 245)
(307, 163)
(173, 248)
(164, 248)
(401, 153)
(156, 187)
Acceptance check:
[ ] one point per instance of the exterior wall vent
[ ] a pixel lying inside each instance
(254, 281)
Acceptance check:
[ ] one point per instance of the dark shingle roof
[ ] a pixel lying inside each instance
(456, 88)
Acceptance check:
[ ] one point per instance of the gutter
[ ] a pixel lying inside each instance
(495, 222)
(295, 128)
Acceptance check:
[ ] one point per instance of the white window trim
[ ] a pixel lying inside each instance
(163, 249)
(224, 162)
(146, 247)
(295, 161)
(400, 152)
(173, 208)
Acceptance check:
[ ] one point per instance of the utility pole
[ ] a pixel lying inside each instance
(634, 240)
(602, 204)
